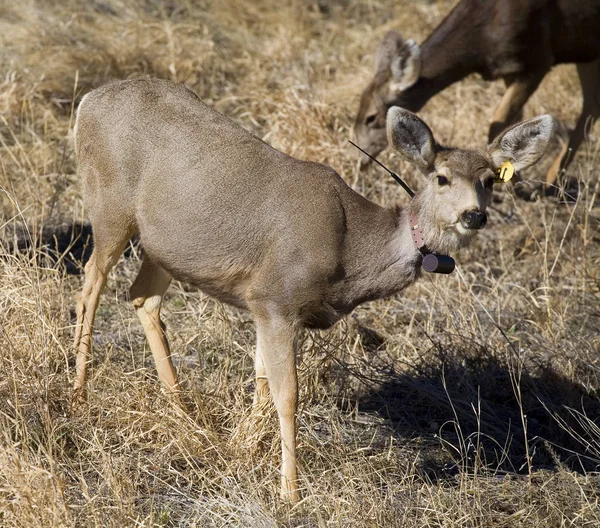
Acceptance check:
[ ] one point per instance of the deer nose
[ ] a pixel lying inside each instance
(473, 219)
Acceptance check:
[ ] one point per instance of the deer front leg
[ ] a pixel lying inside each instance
(517, 92)
(262, 388)
(276, 344)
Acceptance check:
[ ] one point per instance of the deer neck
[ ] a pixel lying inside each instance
(405, 253)
(448, 55)
(384, 261)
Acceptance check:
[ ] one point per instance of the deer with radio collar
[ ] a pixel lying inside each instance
(285, 239)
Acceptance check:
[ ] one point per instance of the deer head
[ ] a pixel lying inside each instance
(451, 207)
(397, 68)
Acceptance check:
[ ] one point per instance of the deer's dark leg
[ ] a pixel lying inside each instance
(589, 76)
(518, 90)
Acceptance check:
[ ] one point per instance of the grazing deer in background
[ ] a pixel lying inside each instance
(287, 240)
(515, 40)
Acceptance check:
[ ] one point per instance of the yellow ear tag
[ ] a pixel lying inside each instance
(504, 173)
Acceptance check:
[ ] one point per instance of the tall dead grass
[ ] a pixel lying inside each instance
(470, 400)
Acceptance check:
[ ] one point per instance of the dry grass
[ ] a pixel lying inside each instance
(472, 400)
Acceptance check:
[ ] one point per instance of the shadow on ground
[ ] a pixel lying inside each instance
(468, 402)
(66, 245)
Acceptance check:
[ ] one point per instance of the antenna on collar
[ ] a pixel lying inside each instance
(431, 262)
(392, 174)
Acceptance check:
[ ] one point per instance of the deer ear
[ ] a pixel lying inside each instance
(411, 137)
(522, 144)
(401, 59)
(406, 66)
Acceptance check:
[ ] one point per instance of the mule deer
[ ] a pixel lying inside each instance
(287, 240)
(515, 40)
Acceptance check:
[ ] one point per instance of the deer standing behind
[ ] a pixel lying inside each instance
(515, 40)
(286, 239)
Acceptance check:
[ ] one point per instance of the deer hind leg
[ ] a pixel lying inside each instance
(276, 341)
(146, 294)
(511, 106)
(589, 76)
(107, 250)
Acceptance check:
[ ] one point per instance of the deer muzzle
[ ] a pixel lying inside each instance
(473, 219)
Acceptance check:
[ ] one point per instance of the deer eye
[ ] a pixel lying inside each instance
(442, 180)
(371, 120)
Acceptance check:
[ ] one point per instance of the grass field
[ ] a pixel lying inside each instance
(471, 400)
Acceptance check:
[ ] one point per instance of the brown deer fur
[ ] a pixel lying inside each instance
(286, 239)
